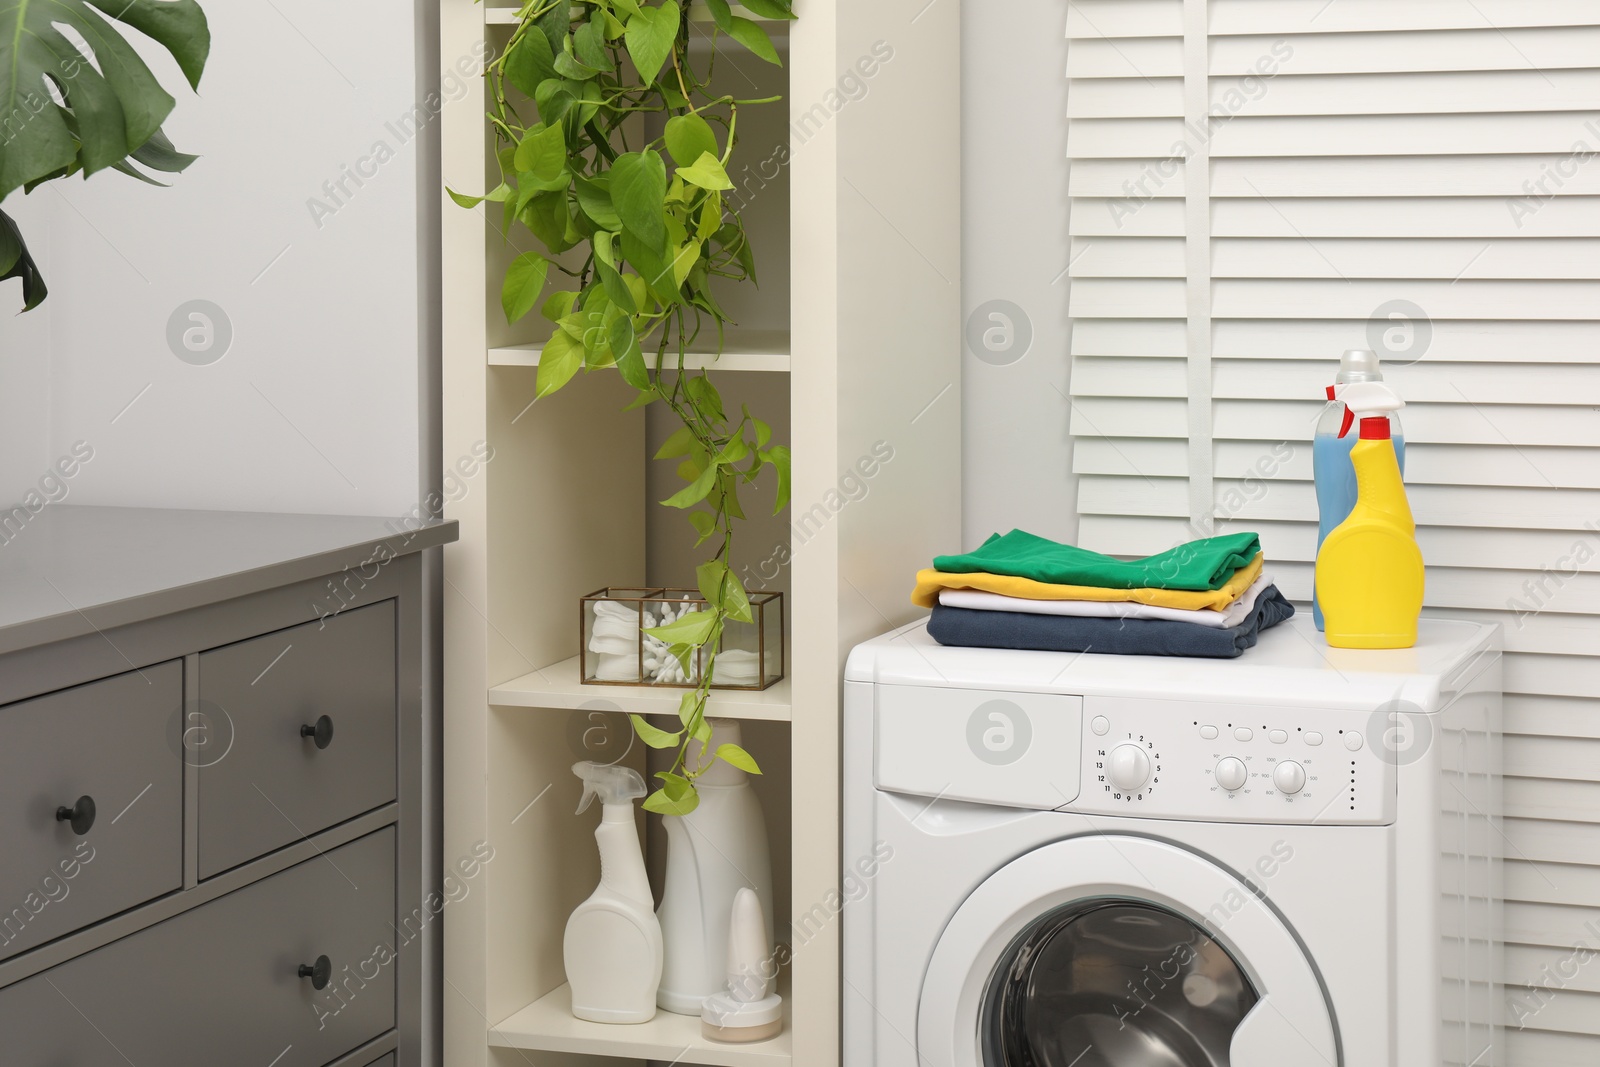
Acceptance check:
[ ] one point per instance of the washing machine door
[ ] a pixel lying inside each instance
(1107, 951)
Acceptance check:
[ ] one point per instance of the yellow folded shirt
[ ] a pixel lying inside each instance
(930, 581)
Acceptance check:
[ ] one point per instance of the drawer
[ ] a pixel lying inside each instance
(115, 741)
(219, 984)
(274, 786)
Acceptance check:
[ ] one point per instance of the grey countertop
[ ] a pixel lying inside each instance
(70, 570)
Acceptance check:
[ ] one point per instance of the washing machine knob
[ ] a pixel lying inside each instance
(1130, 767)
(1289, 777)
(1231, 773)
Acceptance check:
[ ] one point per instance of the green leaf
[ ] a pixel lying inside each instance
(114, 105)
(652, 736)
(695, 491)
(558, 362)
(524, 282)
(720, 14)
(530, 62)
(689, 709)
(754, 38)
(554, 24)
(704, 523)
(569, 67)
(18, 263)
(692, 629)
(719, 586)
(778, 456)
(594, 198)
(769, 9)
(588, 42)
(543, 152)
(606, 266)
(625, 347)
(653, 268)
(638, 192)
(559, 305)
(676, 797)
(628, 7)
(645, 398)
(499, 194)
(553, 98)
(710, 217)
(733, 753)
(650, 36)
(688, 137)
(706, 172)
(681, 443)
(546, 218)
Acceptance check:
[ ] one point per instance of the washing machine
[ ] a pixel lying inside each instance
(1068, 860)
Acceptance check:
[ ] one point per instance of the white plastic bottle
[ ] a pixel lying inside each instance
(613, 948)
(712, 853)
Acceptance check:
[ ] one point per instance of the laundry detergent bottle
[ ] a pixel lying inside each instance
(613, 950)
(1369, 569)
(713, 852)
(1330, 453)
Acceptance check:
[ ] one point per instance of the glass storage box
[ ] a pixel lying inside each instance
(615, 650)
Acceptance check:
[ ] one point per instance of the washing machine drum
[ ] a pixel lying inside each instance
(1106, 951)
(1114, 984)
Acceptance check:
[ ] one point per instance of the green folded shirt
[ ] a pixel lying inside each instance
(1198, 565)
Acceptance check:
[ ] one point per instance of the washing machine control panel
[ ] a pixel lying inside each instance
(1167, 759)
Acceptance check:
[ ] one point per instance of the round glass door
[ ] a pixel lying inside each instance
(1114, 983)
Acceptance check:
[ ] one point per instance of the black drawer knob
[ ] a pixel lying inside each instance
(319, 972)
(80, 815)
(321, 732)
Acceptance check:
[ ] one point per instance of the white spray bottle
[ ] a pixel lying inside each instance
(613, 947)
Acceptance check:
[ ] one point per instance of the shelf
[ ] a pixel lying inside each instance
(507, 16)
(745, 350)
(558, 687)
(547, 1025)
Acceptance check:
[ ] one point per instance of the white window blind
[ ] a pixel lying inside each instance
(1258, 185)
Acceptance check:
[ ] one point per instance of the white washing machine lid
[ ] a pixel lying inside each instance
(1291, 1022)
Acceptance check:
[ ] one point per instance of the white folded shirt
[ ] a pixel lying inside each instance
(1235, 613)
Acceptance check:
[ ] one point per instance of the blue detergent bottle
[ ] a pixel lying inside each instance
(1330, 453)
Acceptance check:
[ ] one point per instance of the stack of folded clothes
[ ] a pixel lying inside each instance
(1204, 598)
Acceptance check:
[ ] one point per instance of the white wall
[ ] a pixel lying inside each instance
(314, 407)
(1016, 452)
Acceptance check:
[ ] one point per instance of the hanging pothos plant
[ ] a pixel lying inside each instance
(639, 227)
(66, 110)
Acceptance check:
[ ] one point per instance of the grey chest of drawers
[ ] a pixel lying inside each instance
(217, 760)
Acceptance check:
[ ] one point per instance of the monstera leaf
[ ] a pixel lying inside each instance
(106, 106)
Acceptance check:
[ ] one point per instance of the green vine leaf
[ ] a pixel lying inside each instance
(652, 736)
(524, 282)
(688, 137)
(589, 43)
(499, 194)
(706, 172)
(778, 456)
(543, 153)
(680, 443)
(594, 198)
(719, 586)
(754, 38)
(639, 191)
(676, 797)
(558, 362)
(695, 491)
(651, 31)
(769, 9)
(529, 62)
(693, 629)
(720, 14)
(739, 758)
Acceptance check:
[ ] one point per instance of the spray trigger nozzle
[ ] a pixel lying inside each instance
(612, 784)
(1364, 400)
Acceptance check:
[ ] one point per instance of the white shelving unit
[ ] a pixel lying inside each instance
(743, 350)
(851, 350)
(547, 1025)
(558, 687)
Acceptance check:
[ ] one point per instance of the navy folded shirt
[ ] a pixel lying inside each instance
(1118, 637)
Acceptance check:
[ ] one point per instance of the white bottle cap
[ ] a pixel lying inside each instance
(1360, 365)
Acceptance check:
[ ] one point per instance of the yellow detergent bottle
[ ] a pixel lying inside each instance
(1369, 570)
